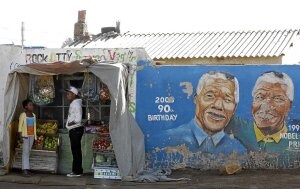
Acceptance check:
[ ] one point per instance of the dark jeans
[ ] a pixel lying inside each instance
(75, 139)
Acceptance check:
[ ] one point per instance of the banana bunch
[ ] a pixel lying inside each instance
(47, 128)
(41, 131)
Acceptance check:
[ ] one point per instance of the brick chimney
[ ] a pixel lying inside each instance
(80, 27)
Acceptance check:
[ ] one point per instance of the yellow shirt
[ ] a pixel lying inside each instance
(269, 138)
(23, 125)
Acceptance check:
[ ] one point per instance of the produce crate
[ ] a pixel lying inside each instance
(45, 133)
(105, 160)
(102, 164)
(107, 173)
(38, 147)
(50, 149)
(40, 160)
(97, 127)
(42, 121)
(103, 151)
(100, 134)
(102, 143)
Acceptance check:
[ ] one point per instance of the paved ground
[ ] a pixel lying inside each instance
(259, 179)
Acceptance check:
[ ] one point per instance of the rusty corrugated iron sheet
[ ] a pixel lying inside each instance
(202, 44)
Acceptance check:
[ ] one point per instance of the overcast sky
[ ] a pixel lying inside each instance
(49, 22)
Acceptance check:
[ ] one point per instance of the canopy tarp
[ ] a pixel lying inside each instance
(127, 137)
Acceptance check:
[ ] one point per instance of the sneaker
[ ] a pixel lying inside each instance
(74, 175)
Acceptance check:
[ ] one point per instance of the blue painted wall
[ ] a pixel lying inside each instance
(161, 120)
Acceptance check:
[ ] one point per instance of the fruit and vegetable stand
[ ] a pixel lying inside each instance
(105, 163)
(44, 156)
(96, 147)
(50, 98)
(52, 151)
(41, 160)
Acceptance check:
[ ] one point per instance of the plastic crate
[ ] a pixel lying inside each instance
(102, 164)
(107, 173)
(105, 163)
(97, 143)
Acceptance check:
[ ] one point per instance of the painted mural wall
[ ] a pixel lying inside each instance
(207, 116)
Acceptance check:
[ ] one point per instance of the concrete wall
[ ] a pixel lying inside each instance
(9, 56)
(222, 61)
(179, 127)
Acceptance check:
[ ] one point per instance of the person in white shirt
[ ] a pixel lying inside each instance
(76, 130)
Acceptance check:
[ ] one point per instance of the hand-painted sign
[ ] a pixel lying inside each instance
(207, 116)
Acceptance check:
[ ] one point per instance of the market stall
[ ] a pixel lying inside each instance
(44, 156)
(117, 140)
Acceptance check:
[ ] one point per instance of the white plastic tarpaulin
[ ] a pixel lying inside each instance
(127, 137)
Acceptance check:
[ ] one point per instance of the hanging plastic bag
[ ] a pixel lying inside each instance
(89, 88)
(42, 90)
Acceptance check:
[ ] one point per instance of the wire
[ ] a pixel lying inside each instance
(33, 32)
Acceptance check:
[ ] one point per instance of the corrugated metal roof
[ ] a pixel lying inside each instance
(202, 44)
